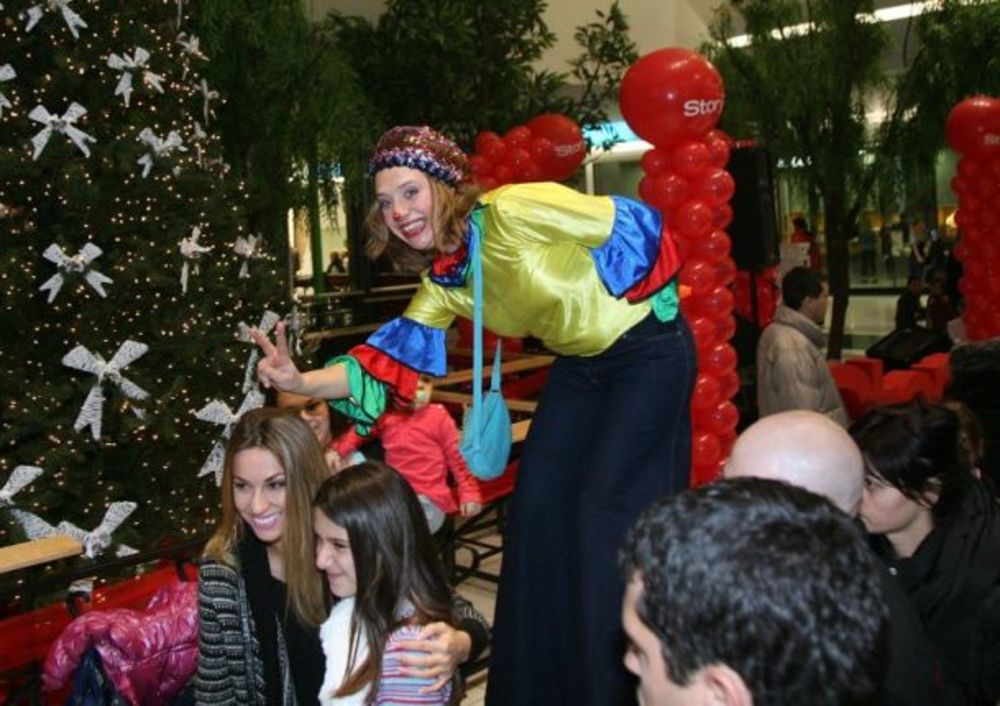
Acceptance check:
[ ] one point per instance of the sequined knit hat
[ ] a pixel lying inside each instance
(421, 148)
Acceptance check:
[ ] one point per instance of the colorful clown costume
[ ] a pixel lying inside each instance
(594, 278)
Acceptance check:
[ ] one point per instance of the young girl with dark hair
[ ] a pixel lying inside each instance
(374, 546)
(595, 278)
(938, 529)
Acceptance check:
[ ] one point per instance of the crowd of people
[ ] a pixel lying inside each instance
(837, 562)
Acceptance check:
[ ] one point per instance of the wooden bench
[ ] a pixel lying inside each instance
(37, 552)
(462, 398)
(514, 366)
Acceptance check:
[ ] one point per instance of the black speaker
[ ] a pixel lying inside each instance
(904, 347)
(754, 230)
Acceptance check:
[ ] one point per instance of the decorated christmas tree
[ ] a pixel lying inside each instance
(125, 275)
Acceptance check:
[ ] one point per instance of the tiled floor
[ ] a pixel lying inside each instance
(869, 317)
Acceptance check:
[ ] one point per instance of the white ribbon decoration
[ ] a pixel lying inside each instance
(196, 139)
(81, 359)
(192, 50)
(98, 539)
(218, 412)
(6, 74)
(267, 324)
(207, 95)
(79, 263)
(248, 249)
(18, 479)
(34, 526)
(73, 20)
(191, 251)
(129, 65)
(64, 125)
(158, 148)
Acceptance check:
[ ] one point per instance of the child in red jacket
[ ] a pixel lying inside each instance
(422, 445)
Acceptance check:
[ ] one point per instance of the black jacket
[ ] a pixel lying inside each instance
(953, 580)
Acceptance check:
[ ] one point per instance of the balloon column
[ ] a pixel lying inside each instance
(973, 130)
(673, 98)
(549, 147)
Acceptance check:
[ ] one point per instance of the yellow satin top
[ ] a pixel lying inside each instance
(539, 277)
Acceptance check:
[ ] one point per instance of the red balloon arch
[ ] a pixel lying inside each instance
(973, 130)
(673, 98)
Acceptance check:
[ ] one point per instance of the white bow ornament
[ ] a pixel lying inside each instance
(267, 324)
(98, 539)
(18, 479)
(218, 412)
(130, 65)
(192, 50)
(73, 20)
(81, 359)
(248, 249)
(65, 125)
(207, 95)
(79, 263)
(158, 149)
(191, 251)
(6, 74)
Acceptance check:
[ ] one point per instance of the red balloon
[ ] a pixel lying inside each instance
(690, 159)
(647, 190)
(986, 186)
(654, 161)
(704, 331)
(705, 450)
(486, 141)
(488, 183)
(725, 327)
(569, 146)
(714, 247)
(718, 144)
(725, 272)
(722, 216)
(543, 151)
(694, 219)
(723, 419)
(517, 136)
(699, 276)
(706, 395)
(729, 385)
(671, 95)
(504, 174)
(719, 359)
(670, 191)
(720, 301)
(969, 168)
(480, 165)
(973, 126)
(516, 158)
(715, 186)
(530, 171)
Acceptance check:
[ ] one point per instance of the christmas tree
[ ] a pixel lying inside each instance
(125, 275)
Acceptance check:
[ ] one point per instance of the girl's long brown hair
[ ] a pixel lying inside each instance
(292, 442)
(394, 560)
(451, 207)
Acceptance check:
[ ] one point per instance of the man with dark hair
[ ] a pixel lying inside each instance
(751, 591)
(908, 306)
(791, 370)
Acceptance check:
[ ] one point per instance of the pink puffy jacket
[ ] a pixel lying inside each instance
(149, 655)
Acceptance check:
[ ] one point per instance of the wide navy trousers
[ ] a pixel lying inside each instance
(612, 433)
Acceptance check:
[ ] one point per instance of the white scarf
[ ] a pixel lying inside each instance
(335, 634)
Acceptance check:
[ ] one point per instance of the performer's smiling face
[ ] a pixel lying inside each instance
(407, 204)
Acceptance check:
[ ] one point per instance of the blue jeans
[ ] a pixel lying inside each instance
(612, 433)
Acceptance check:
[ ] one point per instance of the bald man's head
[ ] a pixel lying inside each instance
(805, 449)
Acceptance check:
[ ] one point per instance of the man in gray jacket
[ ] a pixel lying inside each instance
(791, 370)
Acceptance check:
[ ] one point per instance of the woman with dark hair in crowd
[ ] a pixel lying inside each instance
(938, 529)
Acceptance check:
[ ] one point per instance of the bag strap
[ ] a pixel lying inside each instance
(475, 252)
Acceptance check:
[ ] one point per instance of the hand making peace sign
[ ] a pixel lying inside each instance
(276, 368)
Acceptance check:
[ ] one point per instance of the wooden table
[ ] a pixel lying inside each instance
(38, 551)
(514, 366)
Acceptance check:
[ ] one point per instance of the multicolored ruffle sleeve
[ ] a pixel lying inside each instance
(639, 260)
(387, 367)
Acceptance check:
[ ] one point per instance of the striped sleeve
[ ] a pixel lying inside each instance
(396, 689)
